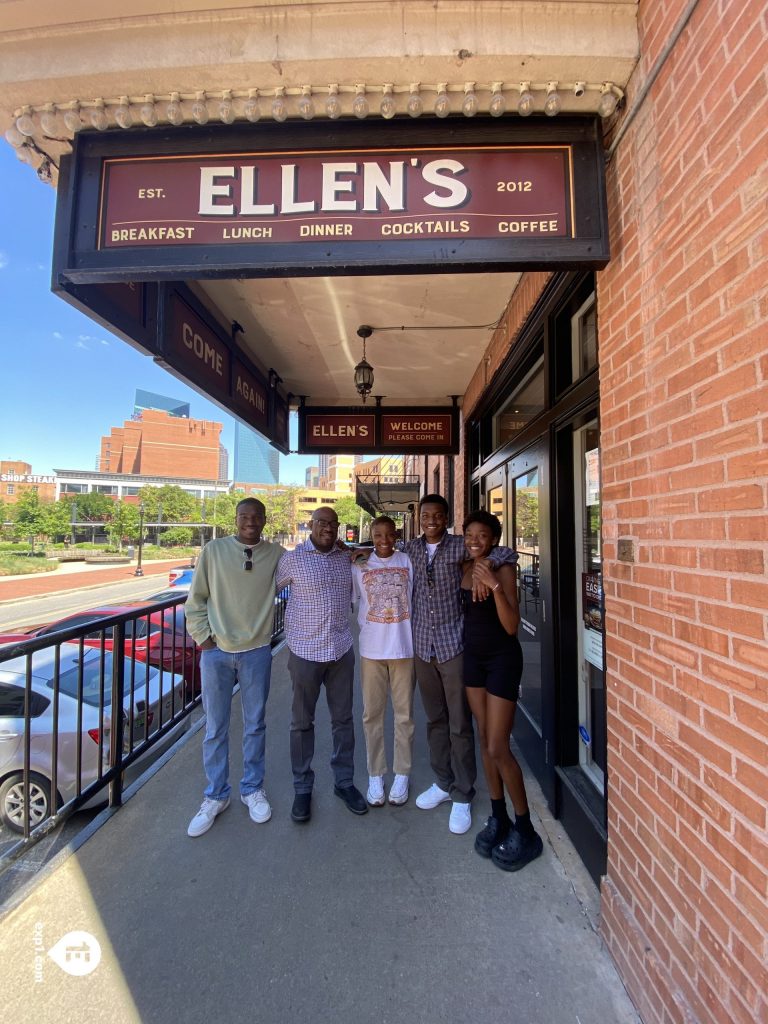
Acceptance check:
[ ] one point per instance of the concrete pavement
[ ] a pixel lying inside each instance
(380, 919)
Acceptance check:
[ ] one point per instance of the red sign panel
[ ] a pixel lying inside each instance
(408, 432)
(346, 431)
(434, 193)
(196, 350)
(249, 396)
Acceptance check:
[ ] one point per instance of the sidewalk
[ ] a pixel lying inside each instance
(77, 576)
(381, 919)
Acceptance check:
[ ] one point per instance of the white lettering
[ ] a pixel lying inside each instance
(289, 202)
(209, 190)
(457, 190)
(391, 190)
(332, 185)
(248, 204)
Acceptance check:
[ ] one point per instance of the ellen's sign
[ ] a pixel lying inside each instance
(406, 430)
(296, 197)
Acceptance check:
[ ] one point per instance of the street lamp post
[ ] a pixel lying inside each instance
(159, 523)
(73, 521)
(139, 571)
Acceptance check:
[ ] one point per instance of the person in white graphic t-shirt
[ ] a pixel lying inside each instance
(383, 586)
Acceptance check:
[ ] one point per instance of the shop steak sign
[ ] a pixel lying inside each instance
(266, 199)
(407, 431)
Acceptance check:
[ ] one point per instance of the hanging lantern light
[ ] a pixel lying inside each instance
(364, 370)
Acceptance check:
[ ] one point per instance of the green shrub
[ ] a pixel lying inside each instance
(151, 552)
(17, 565)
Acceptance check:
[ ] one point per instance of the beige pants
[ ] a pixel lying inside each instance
(378, 678)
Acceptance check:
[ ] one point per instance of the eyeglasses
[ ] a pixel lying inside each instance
(248, 563)
(332, 523)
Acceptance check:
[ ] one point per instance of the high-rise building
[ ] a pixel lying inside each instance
(144, 400)
(155, 443)
(312, 476)
(337, 472)
(223, 463)
(256, 461)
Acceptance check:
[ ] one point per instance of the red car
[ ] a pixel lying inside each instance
(159, 637)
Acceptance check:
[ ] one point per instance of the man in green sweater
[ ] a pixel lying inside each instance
(230, 612)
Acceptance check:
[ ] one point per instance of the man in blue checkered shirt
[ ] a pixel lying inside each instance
(320, 642)
(438, 643)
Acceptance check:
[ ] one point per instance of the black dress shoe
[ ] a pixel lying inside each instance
(301, 810)
(353, 798)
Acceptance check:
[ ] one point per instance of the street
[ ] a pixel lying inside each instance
(18, 615)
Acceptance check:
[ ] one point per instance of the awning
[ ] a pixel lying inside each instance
(380, 498)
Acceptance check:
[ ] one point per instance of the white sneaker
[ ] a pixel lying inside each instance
(206, 816)
(432, 797)
(258, 806)
(375, 794)
(460, 820)
(398, 794)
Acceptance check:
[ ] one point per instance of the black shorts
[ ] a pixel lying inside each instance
(498, 672)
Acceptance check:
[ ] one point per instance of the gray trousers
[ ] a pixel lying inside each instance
(307, 678)
(450, 735)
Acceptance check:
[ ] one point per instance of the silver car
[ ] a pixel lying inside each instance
(155, 699)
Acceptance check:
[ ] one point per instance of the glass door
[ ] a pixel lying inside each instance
(526, 534)
(589, 601)
(527, 531)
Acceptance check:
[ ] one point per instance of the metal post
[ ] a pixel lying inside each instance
(139, 571)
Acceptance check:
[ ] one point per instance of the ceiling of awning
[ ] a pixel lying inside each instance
(306, 330)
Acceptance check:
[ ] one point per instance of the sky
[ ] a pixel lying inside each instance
(64, 380)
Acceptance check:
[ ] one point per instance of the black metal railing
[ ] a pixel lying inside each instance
(82, 708)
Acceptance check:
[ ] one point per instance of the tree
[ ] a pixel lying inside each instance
(220, 512)
(178, 505)
(29, 516)
(350, 513)
(282, 510)
(124, 523)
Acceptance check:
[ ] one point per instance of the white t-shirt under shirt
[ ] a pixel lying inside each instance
(383, 587)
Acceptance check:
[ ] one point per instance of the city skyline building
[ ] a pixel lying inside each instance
(144, 400)
(156, 443)
(256, 461)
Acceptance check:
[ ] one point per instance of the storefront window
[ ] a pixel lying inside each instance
(525, 402)
(584, 339)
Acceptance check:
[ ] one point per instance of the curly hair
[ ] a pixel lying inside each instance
(486, 519)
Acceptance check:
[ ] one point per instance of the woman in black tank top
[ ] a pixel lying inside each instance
(493, 665)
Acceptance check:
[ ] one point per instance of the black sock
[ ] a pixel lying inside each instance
(499, 811)
(523, 824)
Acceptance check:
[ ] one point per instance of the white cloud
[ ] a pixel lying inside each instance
(4, 260)
(104, 342)
(58, 335)
(81, 344)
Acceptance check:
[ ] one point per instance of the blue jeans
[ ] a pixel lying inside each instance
(219, 672)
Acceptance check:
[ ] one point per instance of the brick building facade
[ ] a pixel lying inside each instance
(17, 479)
(155, 443)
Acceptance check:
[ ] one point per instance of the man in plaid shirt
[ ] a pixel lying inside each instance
(438, 643)
(320, 643)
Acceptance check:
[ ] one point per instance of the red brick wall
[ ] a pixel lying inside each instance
(684, 419)
(159, 444)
